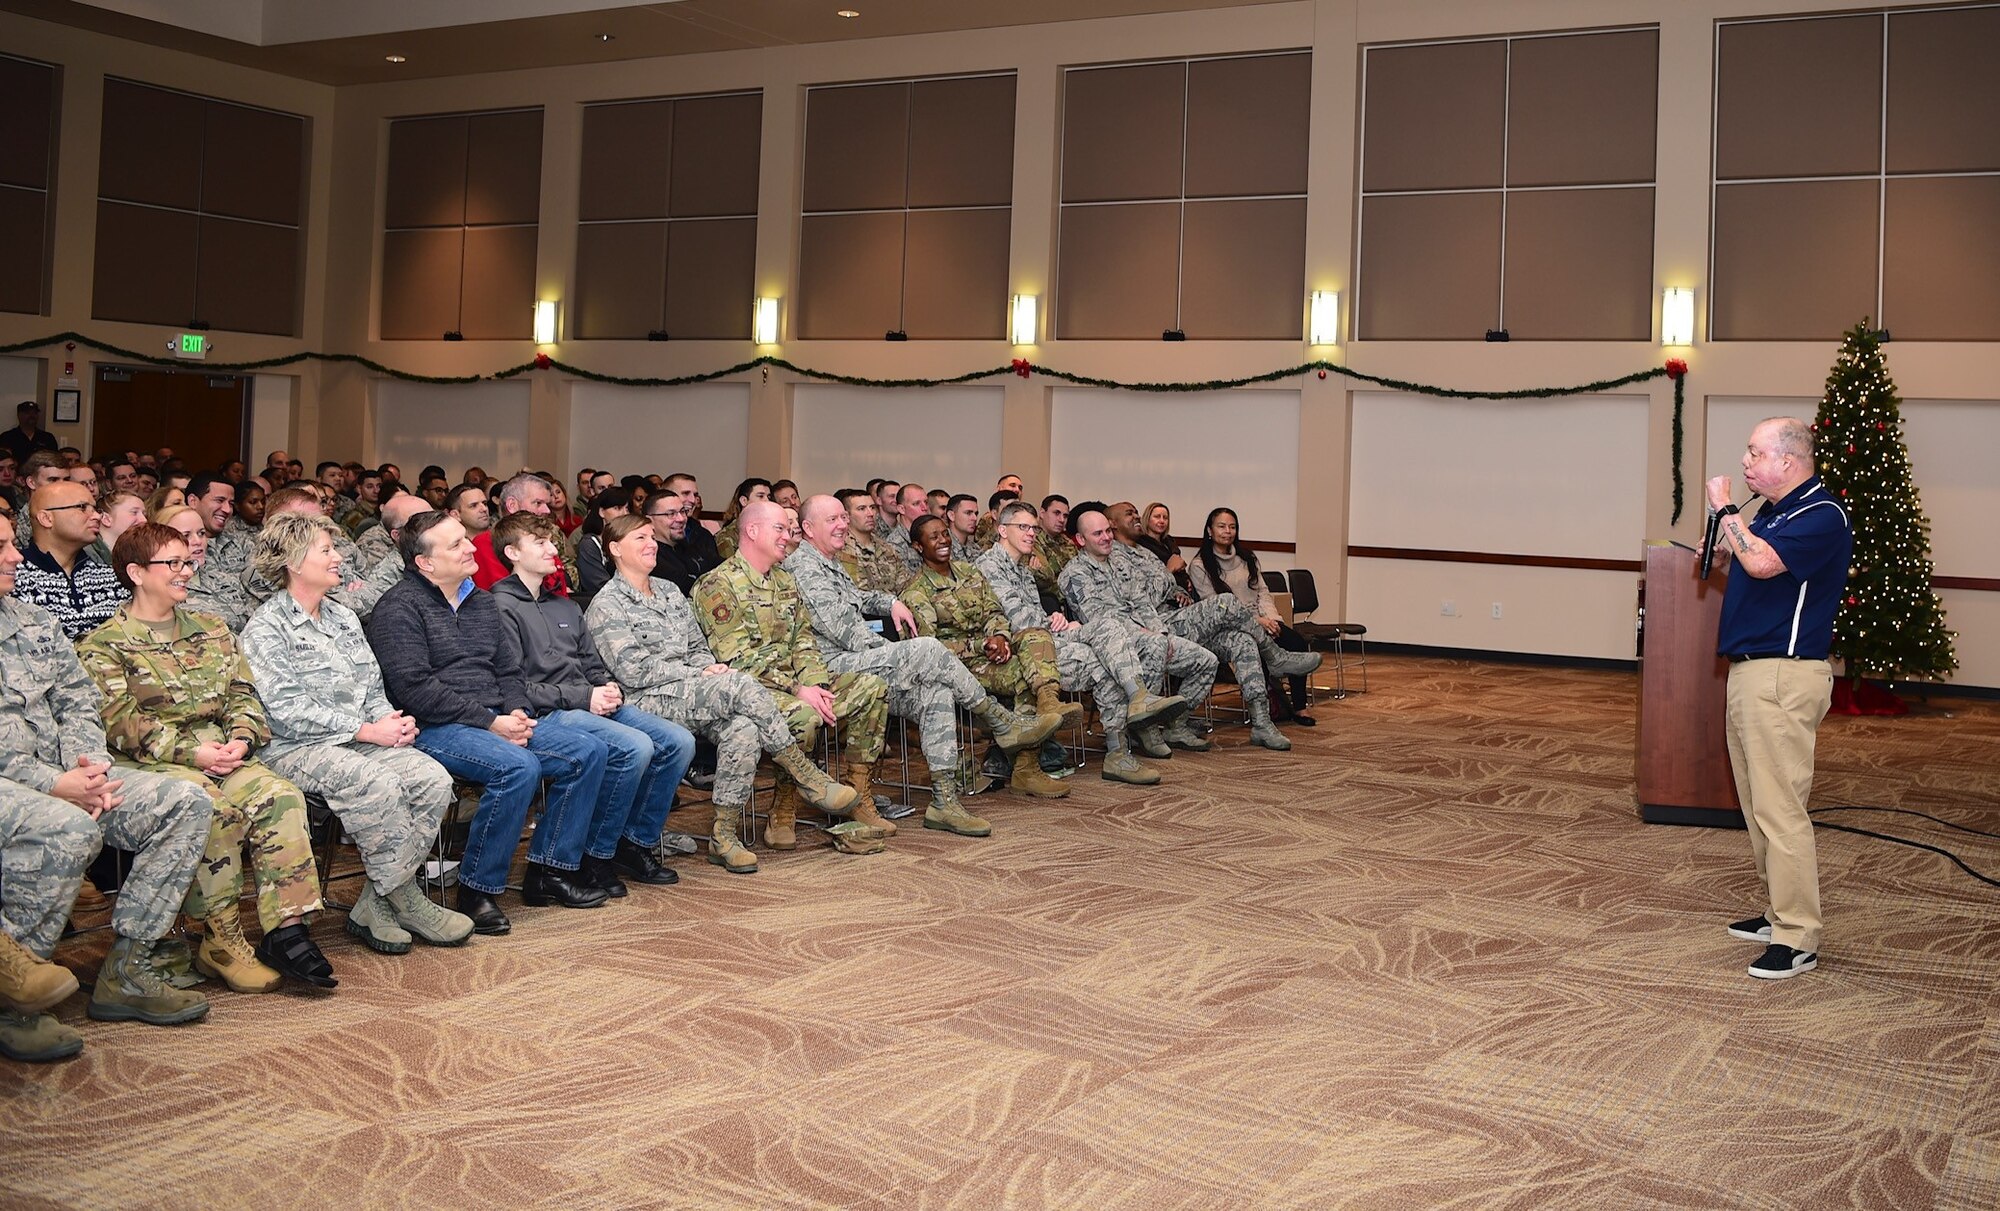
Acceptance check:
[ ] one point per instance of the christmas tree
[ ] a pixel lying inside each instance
(1890, 624)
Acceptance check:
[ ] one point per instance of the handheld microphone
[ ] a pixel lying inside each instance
(1715, 532)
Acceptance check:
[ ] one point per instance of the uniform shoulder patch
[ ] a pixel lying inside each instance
(720, 611)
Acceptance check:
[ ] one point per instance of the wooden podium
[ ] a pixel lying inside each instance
(1684, 775)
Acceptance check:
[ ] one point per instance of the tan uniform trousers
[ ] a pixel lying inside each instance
(1775, 707)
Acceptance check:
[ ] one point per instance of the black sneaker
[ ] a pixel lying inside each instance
(1781, 962)
(1756, 929)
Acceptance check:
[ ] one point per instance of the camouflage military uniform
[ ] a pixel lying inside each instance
(320, 683)
(1052, 553)
(1091, 588)
(755, 625)
(725, 539)
(1222, 624)
(357, 516)
(374, 545)
(964, 550)
(987, 532)
(1099, 656)
(897, 541)
(925, 680)
(872, 565)
(658, 654)
(961, 612)
(48, 719)
(229, 551)
(356, 590)
(226, 599)
(166, 693)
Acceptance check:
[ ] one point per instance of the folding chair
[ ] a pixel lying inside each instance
(1327, 636)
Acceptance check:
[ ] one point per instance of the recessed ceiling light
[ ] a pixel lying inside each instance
(847, 12)
(396, 58)
(606, 37)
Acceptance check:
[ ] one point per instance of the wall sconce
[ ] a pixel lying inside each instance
(545, 322)
(1021, 313)
(1677, 316)
(1323, 327)
(764, 321)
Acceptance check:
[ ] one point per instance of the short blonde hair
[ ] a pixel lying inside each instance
(284, 541)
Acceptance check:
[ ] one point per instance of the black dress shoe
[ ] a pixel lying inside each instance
(484, 911)
(546, 885)
(599, 873)
(1304, 720)
(289, 950)
(639, 865)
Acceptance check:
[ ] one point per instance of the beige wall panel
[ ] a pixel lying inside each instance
(1794, 261)
(711, 278)
(1247, 125)
(1580, 265)
(703, 429)
(1799, 98)
(1430, 267)
(421, 273)
(151, 148)
(944, 437)
(503, 167)
(1118, 272)
(145, 265)
(1121, 132)
(1553, 611)
(620, 280)
(23, 250)
(955, 275)
(1941, 259)
(626, 151)
(1944, 94)
(850, 276)
(426, 178)
(456, 426)
(1243, 270)
(1581, 109)
(857, 147)
(962, 142)
(498, 299)
(247, 279)
(715, 155)
(253, 163)
(1434, 117)
(27, 97)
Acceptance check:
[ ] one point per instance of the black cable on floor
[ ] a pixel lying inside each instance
(1862, 832)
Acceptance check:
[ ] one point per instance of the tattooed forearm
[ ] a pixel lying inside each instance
(1736, 535)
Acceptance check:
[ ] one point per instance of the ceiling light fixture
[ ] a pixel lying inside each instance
(396, 58)
(847, 12)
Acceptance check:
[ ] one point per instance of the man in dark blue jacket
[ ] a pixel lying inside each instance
(570, 687)
(445, 664)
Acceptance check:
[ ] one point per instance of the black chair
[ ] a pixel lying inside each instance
(1275, 582)
(1327, 636)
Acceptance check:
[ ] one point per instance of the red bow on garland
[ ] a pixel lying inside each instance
(1023, 367)
(1676, 367)
(543, 361)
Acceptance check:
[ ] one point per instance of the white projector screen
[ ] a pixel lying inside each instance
(702, 429)
(941, 437)
(456, 425)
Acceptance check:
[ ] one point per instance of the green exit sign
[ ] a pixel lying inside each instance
(193, 345)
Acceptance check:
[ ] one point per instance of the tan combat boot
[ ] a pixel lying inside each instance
(861, 778)
(1049, 701)
(1029, 779)
(1263, 732)
(947, 813)
(780, 830)
(1144, 707)
(29, 982)
(228, 956)
(723, 847)
(1013, 730)
(815, 788)
(129, 990)
(36, 1038)
(1121, 766)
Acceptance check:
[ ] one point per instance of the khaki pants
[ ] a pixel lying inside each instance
(1775, 707)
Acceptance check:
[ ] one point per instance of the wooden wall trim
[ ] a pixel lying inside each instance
(1517, 561)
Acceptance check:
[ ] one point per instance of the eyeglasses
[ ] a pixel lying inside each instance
(1019, 525)
(175, 565)
(85, 505)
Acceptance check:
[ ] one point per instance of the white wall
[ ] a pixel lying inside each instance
(941, 437)
(1194, 452)
(453, 425)
(19, 380)
(271, 416)
(702, 429)
(1558, 477)
(1952, 445)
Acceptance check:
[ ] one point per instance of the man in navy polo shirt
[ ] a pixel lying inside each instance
(1777, 627)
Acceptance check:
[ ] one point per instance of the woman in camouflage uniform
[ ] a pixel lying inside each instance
(178, 700)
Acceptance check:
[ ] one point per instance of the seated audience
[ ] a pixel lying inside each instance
(333, 733)
(446, 664)
(523, 493)
(593, 570)
(786, 493)
(747, 491)
(229, 603)
(1156, 538)
(179, 701)
(961, 518)
(569, 685)
(60, 802)
(162, 499)
(1223, 565)
(117, 512)
(686, 551)
(58, 573)
(911, 503)
(870, 563)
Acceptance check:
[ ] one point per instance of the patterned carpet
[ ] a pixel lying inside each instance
(1429, 959)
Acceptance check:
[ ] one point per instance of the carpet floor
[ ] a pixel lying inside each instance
(1431, 958)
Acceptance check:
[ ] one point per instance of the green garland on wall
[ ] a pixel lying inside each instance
(1674, 368)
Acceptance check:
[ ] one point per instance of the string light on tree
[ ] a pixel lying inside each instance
(1891, 624)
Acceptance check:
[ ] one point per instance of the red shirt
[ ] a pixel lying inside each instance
(490, 573)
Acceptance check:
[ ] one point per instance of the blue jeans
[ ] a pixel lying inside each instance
(646, 756)
(509, 775)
